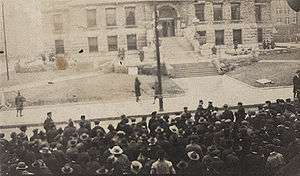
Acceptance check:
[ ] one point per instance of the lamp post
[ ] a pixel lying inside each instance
(161, 106)
(5, 47)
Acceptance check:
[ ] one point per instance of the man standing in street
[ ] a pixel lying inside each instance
(137, 89)
(296, 82)
(19, 102)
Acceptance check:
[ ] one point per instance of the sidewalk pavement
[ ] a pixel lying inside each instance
(219, 89)
(281, 61)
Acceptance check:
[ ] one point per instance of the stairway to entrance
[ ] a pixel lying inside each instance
(180, 54)
(200, 69)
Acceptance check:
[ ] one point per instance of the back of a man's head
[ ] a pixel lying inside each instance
(161, 154)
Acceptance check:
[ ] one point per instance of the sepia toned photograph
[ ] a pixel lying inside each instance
(150, 87)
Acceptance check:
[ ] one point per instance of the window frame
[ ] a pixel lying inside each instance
(237, 7)
(133, 23)
(260, 35)
(200, 16)
(131, 45)
(258, 13)
(215, 10)
(112, 46)
(112, 16)
(240, 36)
(222, 41)
(59, 47)
(93, 48)
(94, 19)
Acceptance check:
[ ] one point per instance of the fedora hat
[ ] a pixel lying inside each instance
(152, 141)
(159, 129)
(121, 133)
(67, 169)
(182, 164)
(45, 150)
(174, 129)
(72, 142)
(21, 166)
(116, 150)
(136, 167)
(193, 155)
(102, 170)
(84, 137)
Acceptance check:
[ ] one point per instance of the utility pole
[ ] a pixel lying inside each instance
(161, 104)
(5, 45)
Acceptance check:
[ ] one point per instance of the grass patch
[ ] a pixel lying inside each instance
(279, 73)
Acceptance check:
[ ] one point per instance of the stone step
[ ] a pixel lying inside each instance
(194, 70)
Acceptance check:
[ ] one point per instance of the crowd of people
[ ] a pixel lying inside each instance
(209, 142)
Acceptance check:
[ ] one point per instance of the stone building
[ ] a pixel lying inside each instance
(101, 28)
(285, 21)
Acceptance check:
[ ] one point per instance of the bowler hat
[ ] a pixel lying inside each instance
(21, 166)
(116, 150)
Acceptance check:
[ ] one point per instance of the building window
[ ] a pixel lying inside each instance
(93, 44)
(131, 42)
(111, 17)
(294, 20)
(91, 18)
(258, 13)
(201, 37)
(199, 11)
(237, 36)
(219, 34)
(59, 47)
(130, 15)
(218, 12)
(259, 35)
(279, 20)
(287, 20)
(58, 22)
(112, 42)
(278, 10)
(235, 11)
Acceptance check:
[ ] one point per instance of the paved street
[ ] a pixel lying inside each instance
(219, 89)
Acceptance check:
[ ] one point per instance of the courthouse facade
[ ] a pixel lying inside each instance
(102, 27)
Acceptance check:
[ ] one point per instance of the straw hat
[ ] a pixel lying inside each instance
(193, 156)
(136, 167)
(152, 141)
(21, 166)
(67, 169)
(45, 150)
(116, 150)
(84, 137)
(174, 129)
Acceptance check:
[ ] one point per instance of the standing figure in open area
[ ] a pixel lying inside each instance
(19, 102)
(296, 82)
(137, 89)
(156, 91)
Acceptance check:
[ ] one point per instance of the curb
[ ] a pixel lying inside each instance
(117, 118)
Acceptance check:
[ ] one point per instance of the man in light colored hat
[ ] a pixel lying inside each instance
(120, 159)
(136, 168)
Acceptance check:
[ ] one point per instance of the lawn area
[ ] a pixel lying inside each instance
(293, 55)
(24, 78)
(279, 73)
(102, 87)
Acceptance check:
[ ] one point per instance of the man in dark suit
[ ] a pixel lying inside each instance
(19, 102)
(296, 82)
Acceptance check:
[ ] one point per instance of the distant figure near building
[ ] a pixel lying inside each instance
(137, 89)
(19, 102)
(156, 91)
(296, 82)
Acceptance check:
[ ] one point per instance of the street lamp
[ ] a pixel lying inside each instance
(156, 30)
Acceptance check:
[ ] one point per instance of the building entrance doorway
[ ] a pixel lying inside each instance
(168, 27)
(167, 21)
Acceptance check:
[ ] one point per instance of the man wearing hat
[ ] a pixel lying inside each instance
(96, 128)
(296, 83)
(195, 163)
(48, 121)
(35, 134)
(19, 102)
(22, 169)
(120, 160)
(227, 114)
(136, 168)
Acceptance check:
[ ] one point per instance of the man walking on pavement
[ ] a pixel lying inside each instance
(19, 102)
(296, 82)
(137, 89)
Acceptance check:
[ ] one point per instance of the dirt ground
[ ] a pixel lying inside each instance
(281, 74)
(102, 87)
